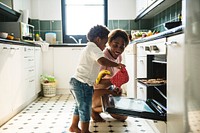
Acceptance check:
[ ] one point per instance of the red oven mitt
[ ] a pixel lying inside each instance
(120, 78)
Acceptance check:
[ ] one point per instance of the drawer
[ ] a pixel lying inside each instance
(141, 91)
(29, 72)
(29, 62)
(29, 51)
(141, 67)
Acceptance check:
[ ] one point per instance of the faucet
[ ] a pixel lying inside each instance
(78, 42)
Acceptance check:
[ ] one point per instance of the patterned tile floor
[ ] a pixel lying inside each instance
(53, 115)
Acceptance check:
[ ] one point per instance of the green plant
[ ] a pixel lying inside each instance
(47, 79)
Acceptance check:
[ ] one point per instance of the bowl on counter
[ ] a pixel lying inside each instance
(3, 35)
(170, 25)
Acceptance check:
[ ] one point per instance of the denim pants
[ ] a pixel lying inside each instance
(82, 93)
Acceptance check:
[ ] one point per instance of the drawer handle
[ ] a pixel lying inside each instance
(172, 43)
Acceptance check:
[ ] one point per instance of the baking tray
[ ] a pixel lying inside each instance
(142, 81)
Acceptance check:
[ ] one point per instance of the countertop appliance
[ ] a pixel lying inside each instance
(21, 31)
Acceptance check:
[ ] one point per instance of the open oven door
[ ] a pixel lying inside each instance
(149, 109)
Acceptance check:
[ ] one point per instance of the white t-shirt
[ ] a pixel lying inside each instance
(88, 67)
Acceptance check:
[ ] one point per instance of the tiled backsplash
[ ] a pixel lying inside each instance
(44, 26)
(168, 15)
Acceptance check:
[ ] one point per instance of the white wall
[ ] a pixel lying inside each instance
(121, 9)
(22, 5)
(46, 9)
(51, 9)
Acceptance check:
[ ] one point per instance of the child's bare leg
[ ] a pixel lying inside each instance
(74, 126)
(96, 115)
(96, 105)
(119, 117)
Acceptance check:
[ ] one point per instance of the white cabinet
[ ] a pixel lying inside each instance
(142, 67)
(65, 62)
(38, 68)
(130, 62)
(18, 70)
(175, 83)
(29, 72)
(10, 78)
(141, 91)
(140, 6)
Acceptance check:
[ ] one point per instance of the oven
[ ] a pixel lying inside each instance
(151, 71)
(151, 99)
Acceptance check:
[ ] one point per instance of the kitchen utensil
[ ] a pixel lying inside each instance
(3, 35)
(120, 78)
(170, 25)
(50, 38)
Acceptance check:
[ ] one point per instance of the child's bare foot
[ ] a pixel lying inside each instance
(96, 117)
(75, 129)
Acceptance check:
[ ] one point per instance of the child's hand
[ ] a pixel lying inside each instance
(117, 91)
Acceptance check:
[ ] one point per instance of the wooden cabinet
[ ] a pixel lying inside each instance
(65, 62)
(175, 82)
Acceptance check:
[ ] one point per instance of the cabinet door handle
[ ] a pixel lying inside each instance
(5, 48)
(172, 43)
(76, 49)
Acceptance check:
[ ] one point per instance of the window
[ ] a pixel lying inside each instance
(78, 16)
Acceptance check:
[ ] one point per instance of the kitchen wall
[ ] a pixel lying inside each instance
(46, 16)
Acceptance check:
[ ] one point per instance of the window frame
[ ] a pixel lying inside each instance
(65, 37)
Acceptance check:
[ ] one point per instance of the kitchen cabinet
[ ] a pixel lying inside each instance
(175, 83)
(65, 62)
(149, 8)
(5, 81)
(17, 78)
(10, 78)
(38, 68)
(140, 6)
(29, 73)
(141, 91)
(130, 62)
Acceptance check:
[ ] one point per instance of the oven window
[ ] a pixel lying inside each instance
(78, 16)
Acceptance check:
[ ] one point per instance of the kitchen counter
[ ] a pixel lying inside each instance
(14, 42)
(167, 33)
(68, 45)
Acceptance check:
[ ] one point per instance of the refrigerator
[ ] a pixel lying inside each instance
(191, 20)
(188, 119)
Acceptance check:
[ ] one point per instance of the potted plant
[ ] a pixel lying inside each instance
(48, 85)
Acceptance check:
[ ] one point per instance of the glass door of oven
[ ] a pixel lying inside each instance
(150, 109)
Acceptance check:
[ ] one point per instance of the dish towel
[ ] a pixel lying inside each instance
(120, 78)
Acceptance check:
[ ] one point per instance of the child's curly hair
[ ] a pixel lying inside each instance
(97, 31)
